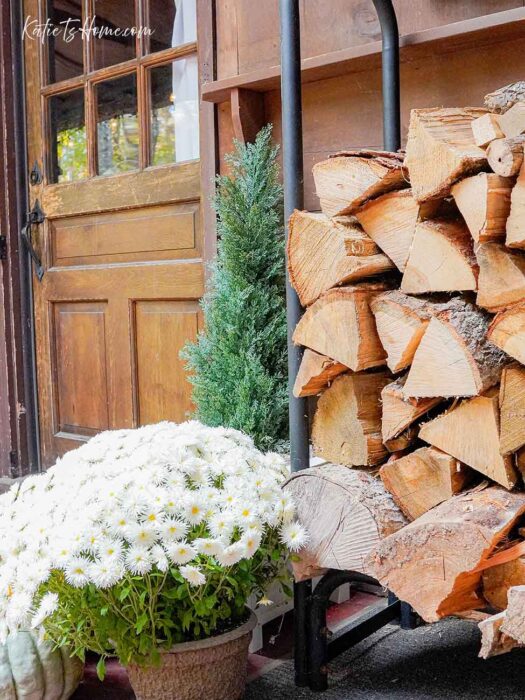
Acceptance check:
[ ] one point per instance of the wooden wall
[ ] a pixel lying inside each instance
(345, 111)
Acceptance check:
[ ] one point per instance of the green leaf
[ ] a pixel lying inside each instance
(104, 611)
(124, 593)
(101, 668)
(141, 622)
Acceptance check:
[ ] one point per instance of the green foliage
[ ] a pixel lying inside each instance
(238, 363)
(143, 615)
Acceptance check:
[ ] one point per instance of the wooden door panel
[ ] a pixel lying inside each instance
(163, 232)
(79, 358)
(162, 328)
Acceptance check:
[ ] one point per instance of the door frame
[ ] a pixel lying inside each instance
(19, 426)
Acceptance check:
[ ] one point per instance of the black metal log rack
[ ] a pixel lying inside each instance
(314, 646)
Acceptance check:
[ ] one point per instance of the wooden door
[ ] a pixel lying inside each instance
(113, 131)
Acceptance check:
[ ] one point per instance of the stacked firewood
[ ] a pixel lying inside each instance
(413, 283)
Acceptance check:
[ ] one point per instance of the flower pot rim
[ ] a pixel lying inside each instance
(218, 639)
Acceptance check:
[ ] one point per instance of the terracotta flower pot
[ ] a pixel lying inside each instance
(213, 668)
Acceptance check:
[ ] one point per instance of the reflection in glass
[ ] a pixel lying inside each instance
(68, 137)
(118, 126)
(175, 112)
(65, 49)
(113, 41)
(160, 24)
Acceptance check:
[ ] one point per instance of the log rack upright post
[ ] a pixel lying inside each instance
(312, 649)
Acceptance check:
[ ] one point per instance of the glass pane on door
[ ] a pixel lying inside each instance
(113, 40)
(68, 152)
(64, 40)
(175, 112)
(117, 125)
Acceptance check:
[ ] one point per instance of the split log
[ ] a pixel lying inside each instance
(441, 150)
(505, 156)
(348, 179)
(401, 442)
(497, 580)
(341, 326)
(470, 432)
(398, 412)
(493, 641)
(390, 220)
(423, 479)
(484, 202)
(441, 259)
(401, 321)
(515, 223)
(315, 373)
(454, 357)
(512, 123)
(359, 515)
(507, 331)
(501, 279)
(325, 253)
(432, 564)
(514, 622)
(512, 409)
(347, 423)
(485, 129)
(502, 99)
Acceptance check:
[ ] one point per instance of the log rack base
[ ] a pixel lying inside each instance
(315, 646)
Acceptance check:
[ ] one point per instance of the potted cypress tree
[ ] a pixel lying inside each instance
(239, 363)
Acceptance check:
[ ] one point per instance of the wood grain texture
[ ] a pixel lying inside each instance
(507, 331)
(515, 233)
(501, 279)
(493, 640)
(325, 253)
(347, 424)
(399, 412)
(432, 563)
(484, 203)
(512, 409)
(361, 514)
(341, 326)
(498, 579)
(315, 373)
(470, 432)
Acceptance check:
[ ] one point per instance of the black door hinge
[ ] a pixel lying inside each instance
(35, 176)
(3, 248)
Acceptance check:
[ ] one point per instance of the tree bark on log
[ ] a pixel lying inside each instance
(390, 220)
(361, 514)
(484, 203)
(347, 424)
(423, 479)
(325, 253)
(505, 97)
(348, 179)
(501, 280)
(441, 259)
(341, 326)
(432, 563)
(441, 150)
(315, 373)
(470, 432)
(454, 358)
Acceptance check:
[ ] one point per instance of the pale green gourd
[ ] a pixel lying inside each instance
(31, 669)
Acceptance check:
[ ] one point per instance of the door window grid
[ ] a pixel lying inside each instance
(142, 67)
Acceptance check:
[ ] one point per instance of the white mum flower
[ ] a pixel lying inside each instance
(110, 548)
(47, 607)
(181, 552)
(159, 558)
(221, 525)
(106, 572)
(294, 536)
(208, 546)
(76, 571)
(173, 529)
(231, 554)
(195, 508)
(251, 543)
(139, 560)
(141, 534)
(193, 575)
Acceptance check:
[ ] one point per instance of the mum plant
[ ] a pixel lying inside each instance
(145, 538)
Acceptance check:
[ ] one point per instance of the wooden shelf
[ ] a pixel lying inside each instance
(476, 32)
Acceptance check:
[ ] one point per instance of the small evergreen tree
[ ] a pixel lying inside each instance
(238, 363)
